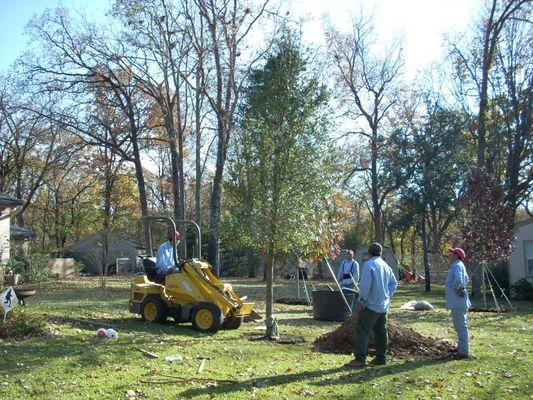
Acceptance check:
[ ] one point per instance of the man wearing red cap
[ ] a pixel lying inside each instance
(457, 299)
(165, 256)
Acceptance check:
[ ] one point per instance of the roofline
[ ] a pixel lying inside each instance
(9, 202)
(523, 223)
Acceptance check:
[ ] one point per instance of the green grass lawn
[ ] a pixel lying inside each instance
(74, 364)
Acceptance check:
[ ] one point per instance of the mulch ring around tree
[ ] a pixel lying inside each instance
(491, 310)
(404, 342)
(292, 301)
(284, 339)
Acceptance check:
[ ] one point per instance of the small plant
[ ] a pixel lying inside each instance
(22, 323)
(522, 290)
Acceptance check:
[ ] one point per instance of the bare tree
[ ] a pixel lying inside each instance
(229, 22)
(368, 85)
(31, 146)
(157, 54)
(494, 70)
(76, 60)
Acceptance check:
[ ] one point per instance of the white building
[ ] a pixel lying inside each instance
(8, 205)
(521, 259)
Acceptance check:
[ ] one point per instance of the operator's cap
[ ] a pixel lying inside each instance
(178, 235)
(459, 252)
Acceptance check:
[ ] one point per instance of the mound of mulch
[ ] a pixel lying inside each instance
(403, 342)
(285, 339)
(292, 301)
(491, 310)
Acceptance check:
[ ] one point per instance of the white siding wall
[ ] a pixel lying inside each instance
(4, 242)
(517, 260)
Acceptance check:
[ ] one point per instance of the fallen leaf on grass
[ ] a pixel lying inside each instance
(478, 384)
(182, 343)
(438, 384)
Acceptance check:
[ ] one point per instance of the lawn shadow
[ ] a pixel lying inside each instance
(351, 376)
(128, 324)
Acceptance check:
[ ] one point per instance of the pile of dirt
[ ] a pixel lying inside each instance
(403, 342)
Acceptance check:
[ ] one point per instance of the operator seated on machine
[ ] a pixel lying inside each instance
(165, 257)
(349, 268)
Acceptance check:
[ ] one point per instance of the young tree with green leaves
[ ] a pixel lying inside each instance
(279, 177)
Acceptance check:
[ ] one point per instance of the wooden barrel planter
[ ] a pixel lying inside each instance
(328, 305)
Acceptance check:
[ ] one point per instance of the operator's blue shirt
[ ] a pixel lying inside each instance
(164, 257)
(456, 281)
(378, 284)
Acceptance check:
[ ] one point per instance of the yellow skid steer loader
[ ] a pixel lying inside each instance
(193, 293)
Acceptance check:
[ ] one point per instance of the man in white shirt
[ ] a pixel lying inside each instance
(165, 256)
(348, 267)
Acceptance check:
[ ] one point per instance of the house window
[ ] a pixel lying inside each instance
(528, 252)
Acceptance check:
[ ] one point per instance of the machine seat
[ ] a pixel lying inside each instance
(150, 269)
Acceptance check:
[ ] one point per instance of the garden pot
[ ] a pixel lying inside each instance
(329, 305)
(11, 280)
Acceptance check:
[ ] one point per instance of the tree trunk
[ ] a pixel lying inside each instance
(214, 216)
(269, 297)
(108, 190)
(175, 174)
(425, 254)
(376, 209)
(435, 232)
(141, 186)
(198, 143)
(413, 261)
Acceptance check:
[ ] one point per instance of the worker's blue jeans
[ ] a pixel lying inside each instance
(367, 322)
(460, 321)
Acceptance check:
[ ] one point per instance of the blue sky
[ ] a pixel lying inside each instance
(15, 14)
(422, 22)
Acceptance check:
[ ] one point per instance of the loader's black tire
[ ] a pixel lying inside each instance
(206, 317)
(154, 310)
(232, 322)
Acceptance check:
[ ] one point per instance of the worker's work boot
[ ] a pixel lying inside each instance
(461, 356)
(378, 361)
(355, 364)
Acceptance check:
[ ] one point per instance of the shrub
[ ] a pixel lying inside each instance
(31, 266)
(22, 323)
(522, 290)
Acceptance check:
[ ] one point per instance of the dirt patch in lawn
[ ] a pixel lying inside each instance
(404, 342)
(292, 301)
(491, 310)
(284, 339)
